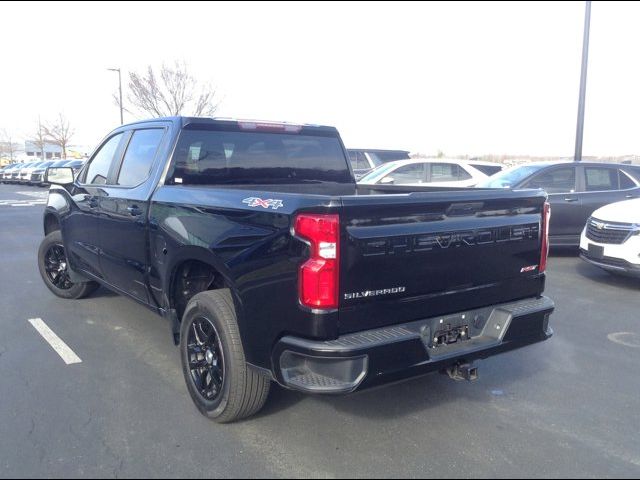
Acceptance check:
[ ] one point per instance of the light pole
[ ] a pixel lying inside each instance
(583, 83)
(120, 89)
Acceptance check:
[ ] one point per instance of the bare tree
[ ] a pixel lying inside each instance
(8, 147)
(169, 92)
(39, 139)
(59, 133)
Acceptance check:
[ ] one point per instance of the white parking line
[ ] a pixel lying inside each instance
(44, 194)
(55, 341)
(21, 203)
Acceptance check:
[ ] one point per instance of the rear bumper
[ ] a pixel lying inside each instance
(371, 358)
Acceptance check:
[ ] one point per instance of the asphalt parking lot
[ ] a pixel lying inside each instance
(567, 407)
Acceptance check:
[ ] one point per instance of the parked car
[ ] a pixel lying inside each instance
(611, 238)
(38, 172)
(271, 264)
(433, 172)
(2, 170)
(25, 172)
(365, 160)
(576, 190)
(76, 165)
(8, 171)
(16, 174)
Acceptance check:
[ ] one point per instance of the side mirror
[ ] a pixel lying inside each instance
(386, 181)
(59, 176)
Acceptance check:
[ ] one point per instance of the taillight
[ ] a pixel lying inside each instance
(318, 276)
(546, 216)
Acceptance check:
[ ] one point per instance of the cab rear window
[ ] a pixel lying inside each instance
(205, 157)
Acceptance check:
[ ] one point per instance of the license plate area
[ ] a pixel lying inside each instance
(456, 334)
(596, 251)
(453, 330)
(450, 335)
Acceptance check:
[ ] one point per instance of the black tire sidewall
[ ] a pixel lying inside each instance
(210, 408)
(77, 289)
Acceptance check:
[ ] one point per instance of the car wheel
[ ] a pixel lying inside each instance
(221, 384)
(54, 269)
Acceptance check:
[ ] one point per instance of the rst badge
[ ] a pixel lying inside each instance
(271, 203)
(531, 268)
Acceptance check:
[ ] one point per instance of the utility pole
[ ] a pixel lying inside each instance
(583, 82)
(120, 90)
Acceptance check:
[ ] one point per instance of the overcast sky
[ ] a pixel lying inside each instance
(458, 77)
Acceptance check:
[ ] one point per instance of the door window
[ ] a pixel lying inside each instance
(406, 174)
(448, 172)
(98, 171)
(463, 174)
(139, 157)
(359, 161)
(598, 179)
(625, 181)
(558, 180)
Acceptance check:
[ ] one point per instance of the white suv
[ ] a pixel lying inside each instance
(611, 238)
(440, 172)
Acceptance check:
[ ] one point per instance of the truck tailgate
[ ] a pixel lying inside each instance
(420, 255)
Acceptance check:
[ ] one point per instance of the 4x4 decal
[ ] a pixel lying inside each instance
(274, 204)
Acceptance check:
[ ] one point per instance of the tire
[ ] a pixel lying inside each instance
(65, 289)
(240, 392)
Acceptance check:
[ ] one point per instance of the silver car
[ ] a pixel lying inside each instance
(6, 173)
(36, 177)
(16, 172)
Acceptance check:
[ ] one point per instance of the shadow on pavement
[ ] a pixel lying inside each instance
(604, 277)
(417, 395)
(563, 252)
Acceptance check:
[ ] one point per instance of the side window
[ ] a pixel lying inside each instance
(598, 179)
(139, 157)
(463, 174)
(413, 173)
(625, 181)
(359, 161)
(363, 162)
(445, 172)
(353, 158)
(557, 180)
(100, 165)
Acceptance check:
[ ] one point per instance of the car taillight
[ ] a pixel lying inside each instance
(318, 276)
(546, 216)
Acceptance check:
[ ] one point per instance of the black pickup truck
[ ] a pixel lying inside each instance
(271, 264)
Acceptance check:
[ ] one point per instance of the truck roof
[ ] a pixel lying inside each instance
(381, 150)
(224, 123)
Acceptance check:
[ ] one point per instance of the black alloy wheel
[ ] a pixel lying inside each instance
(55, 263)
(206, 358)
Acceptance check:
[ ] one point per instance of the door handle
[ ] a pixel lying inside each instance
(630, 196)
(570, 199)
(134, 210)
(91, 201)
